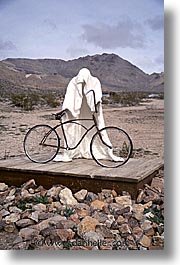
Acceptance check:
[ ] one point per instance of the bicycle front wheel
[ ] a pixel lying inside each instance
(41, 143)
(111, 147)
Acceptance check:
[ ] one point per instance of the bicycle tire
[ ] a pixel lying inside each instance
(116, 146)
(41, 143)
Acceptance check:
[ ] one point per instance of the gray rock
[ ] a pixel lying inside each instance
(137, 233)
(124, 200)
(3, 187)
(158, 184)
(138, 210)
(82, 210)
(12, 218)
(101, 217)
(29, 184)
(40, 207)
(80, 195)
(54, 192)
(124, 230)
(94, 237)
(34, 216)
(104, 231)
(28, 233)
(24, 223)
(4, 213)
(91, 196)
(53, 221)
(14, 209)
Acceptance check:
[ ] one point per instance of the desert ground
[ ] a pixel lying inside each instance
(144, 124)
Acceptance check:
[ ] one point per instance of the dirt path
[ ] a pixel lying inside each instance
(145, 125)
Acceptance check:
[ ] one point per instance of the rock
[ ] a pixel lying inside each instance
(104, 231)
(28, 233)
(121, 219)
(151, 196)
(12, 218)
(39, 207)
(146, 225)
(133, 222)
(82, 210)
(57, 206)
(93, 237)
(124, 200)
(145, 241)
(29, 184)
(110, 220)
(14, 209)
(138, 210)
(158, 184)
(98, 205)
(140, 196)
(137, 233)
(91, 196)
(9, 199)
(63, 234)
(106, 195)
(43, 193)
(12, 192)
(2, 224)
(119, 209)
(124, 230)
(34, 216)
(131, 243)
(80, 195)
(53, 221)
(74, 218)
(26, 195)
(147, 205)
(86, 225)
(3, 187)
(24, 223)
(43, 215)
(54, 192)
(4, 212)
(158, 241)
(66, 197)
(66, 224)
(101, 217)
(10, 228)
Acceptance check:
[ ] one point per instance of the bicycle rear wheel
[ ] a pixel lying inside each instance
(41, 143)
(111, 147)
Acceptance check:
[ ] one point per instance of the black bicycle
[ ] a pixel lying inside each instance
(42, 142)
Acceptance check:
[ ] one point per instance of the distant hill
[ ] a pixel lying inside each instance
(115, 74)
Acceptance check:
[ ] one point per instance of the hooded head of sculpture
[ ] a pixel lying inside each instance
(83, 75)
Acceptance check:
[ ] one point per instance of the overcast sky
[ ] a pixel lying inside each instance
(68, 29)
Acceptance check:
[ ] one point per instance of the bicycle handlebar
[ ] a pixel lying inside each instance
(95, 105)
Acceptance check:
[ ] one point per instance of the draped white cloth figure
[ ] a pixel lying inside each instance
(80, 105)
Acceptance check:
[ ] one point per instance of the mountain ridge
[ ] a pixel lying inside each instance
(114, 72)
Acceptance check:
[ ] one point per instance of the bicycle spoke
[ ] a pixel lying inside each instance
(111, 147)
(41, 143)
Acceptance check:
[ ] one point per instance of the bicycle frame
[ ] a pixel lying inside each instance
(75, 121)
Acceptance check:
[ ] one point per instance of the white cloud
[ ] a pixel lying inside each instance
(126, 33)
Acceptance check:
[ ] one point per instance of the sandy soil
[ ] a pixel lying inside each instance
(144, 123)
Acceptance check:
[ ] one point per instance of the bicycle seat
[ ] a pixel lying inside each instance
(59, 115)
